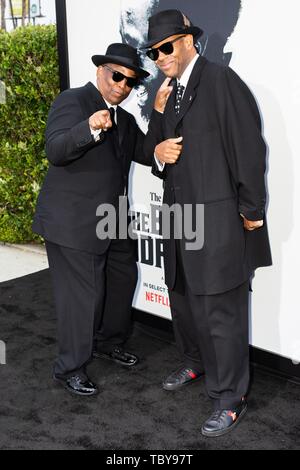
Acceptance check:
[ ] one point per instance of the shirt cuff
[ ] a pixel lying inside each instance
(96, 134)
(160, 165)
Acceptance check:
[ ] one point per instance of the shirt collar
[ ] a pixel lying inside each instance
(187, 73)
(110, 105)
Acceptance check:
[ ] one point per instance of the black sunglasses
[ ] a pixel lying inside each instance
(119, 77)
(166, 48)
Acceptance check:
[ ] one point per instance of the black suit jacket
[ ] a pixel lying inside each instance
(222, 166)
(83, 174)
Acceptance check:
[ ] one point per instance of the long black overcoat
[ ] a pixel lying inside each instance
(222, 167)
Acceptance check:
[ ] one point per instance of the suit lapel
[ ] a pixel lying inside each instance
(169, 114)
(191, 89)
(122, 123)
(95, 97)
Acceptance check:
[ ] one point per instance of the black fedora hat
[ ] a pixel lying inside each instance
(121, 54)
(167, 23)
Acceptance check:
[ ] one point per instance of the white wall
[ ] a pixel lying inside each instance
(48, 12)
(265, 46)
(92, 26)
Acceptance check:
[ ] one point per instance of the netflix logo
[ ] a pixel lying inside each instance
(157, 298)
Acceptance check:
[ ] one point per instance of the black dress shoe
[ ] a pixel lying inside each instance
(223, 421)
(181, 377)
(118, 355)
(78, 385)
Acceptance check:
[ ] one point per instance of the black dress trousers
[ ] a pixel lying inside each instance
(212, 336)
(93, 297)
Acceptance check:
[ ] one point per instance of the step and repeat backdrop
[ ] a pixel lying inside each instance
(259, 40)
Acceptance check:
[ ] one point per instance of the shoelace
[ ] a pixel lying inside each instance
(218, 414)
(184, 371)
(77, 378)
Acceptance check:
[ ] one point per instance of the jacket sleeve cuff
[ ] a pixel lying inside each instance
(81, 134)
(156, 116)
(252, 214)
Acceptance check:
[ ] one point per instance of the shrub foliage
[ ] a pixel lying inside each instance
(30, 82)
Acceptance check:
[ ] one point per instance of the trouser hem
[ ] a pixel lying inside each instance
(226, 403)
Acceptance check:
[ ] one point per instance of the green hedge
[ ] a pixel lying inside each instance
(29, 71)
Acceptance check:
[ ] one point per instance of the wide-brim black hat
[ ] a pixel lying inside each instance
(168, 23)
(121, 54)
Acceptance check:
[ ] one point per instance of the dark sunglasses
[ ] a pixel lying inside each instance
(119, 77)
(166, 48)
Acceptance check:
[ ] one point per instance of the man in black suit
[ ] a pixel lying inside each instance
(90, 144)
(210, 152)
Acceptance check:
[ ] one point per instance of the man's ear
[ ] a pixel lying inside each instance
(189, 41)
(98, 70)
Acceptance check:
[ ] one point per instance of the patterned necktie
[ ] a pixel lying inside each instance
(179, 94)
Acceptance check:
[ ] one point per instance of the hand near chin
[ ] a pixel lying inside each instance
(162, 96)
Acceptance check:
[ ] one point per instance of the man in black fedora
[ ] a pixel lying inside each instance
(90, 144)
(210, 152)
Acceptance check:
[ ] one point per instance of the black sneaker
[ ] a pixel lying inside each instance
(181, 377)
(223, 421)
